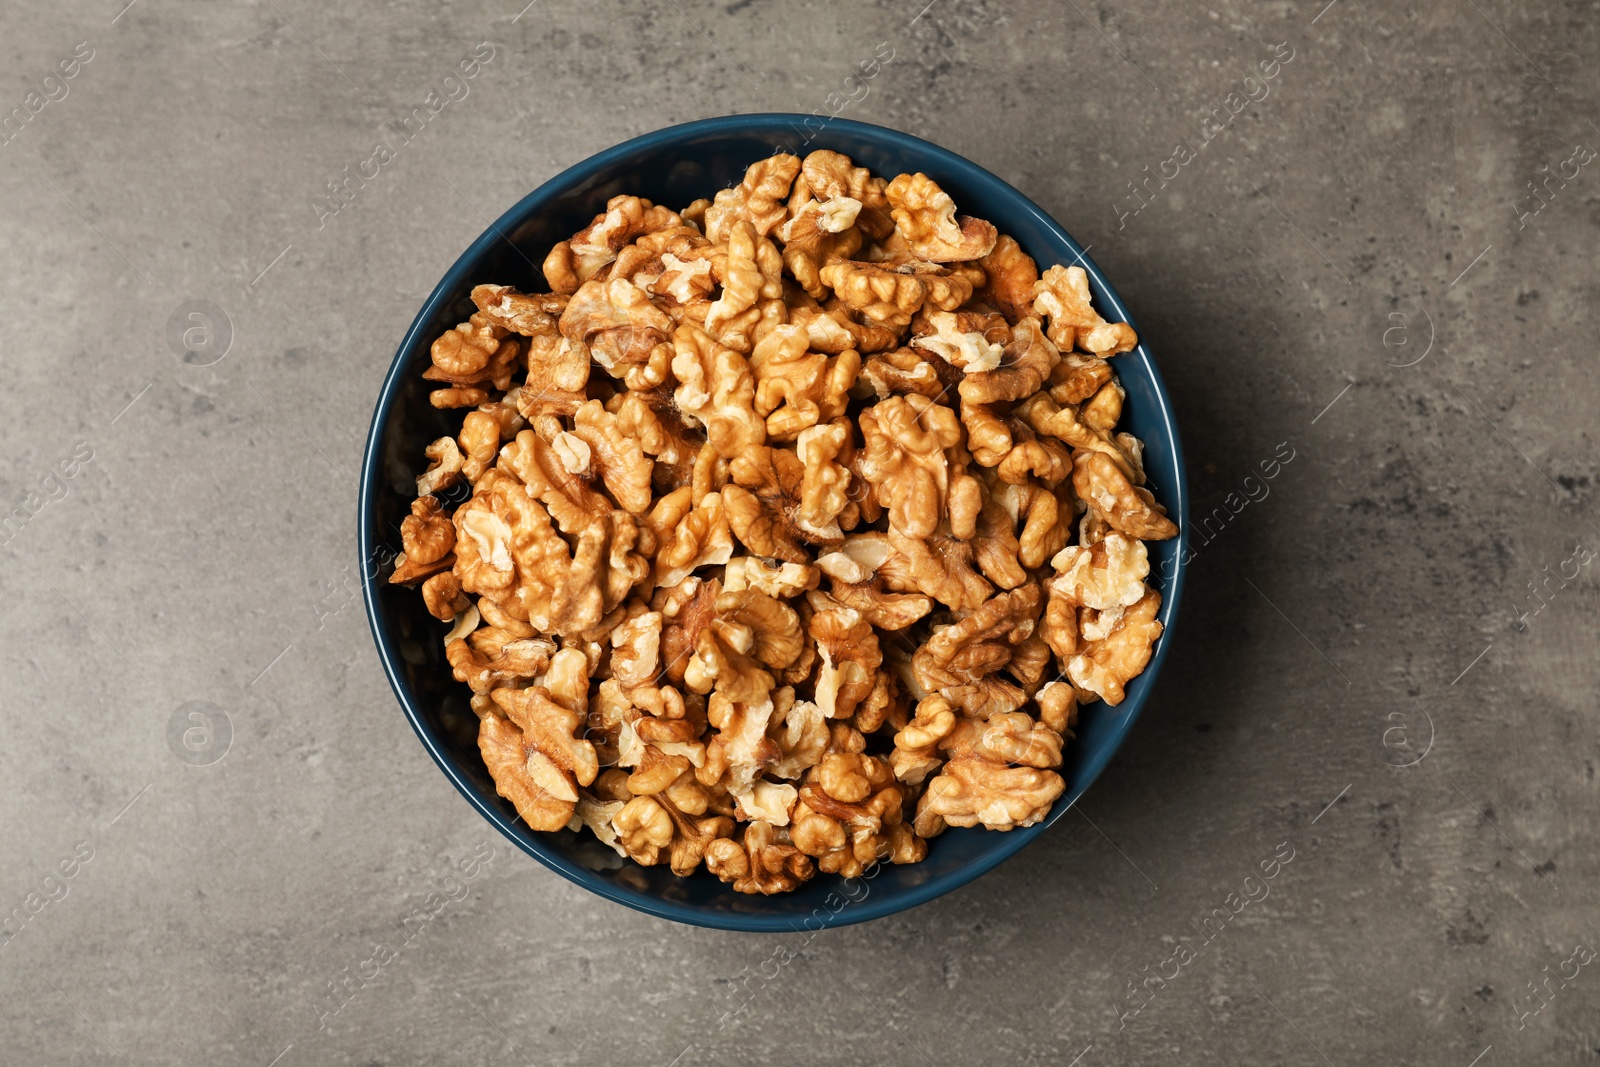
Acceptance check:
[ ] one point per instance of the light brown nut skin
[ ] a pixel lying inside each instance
(695, 214)
(689, 537)
(797, 388)
(916, 747)
(644, 829)
(717, 388)
(774, 625)
(1045, 417)
(750, 631)
(902, 371)
(829, 174)
(883, 297)
(501, 744)
(407, 572)
(810, 241)
(558, 761)
(866, 334)
(885, 610)
(972, 790)
(509, 551)
(636, 649)
(1058, 707)
(926, 217)
(741, 749)
(904, 460)
(884, 708)
(1044, 515)
(1107, 575)
(1029, 663)
(965, 339)
(1078, 377)
(1126, 507)
(992, 694)
(990, 432)
(649, 418)
(619, 457)
(651, 829)
(491, 658)
(995, 547)
(848, 647)
(965, 498)
(825, 486)
(573, 262)
(443, 596)
(616, 321)
(462, 354)
(1027, 361)
(826, 331)
(480, 443)
(762, 862)
(659, 772)
(546, 476)
(777, 579)
(948, 288)
(1103, 411)
(1008, 737)
(1012, 448)
(1059, 626)
(427, 535)
(979, 644)
(529, 314)
(756, 199)
(444, 466)
(752, 279)
(558, 371)
(938, 566)
(458, 396)
(1105, 667)
(1062, 296)
(1012, 275)
(476, 353)
(1043, 458)
(847, 812)
(686, 608)
(763, 505)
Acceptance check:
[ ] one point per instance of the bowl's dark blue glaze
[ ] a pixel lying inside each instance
(674, 167)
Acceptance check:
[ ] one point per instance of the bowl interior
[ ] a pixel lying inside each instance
(674, 167)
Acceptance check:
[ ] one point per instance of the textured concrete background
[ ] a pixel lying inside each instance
(1355, 265)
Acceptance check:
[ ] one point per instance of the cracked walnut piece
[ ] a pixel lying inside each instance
(1104, 666)
(797, 388)
(803, 512)
(906, 461)
(763, 862)
(974, 789)
(1123, 506)
(926, 217)
(540, 762)
(1062, 296)
(572, 263)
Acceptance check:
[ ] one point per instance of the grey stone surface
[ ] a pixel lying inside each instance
(1353, 265)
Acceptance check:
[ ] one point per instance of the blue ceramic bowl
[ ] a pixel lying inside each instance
(674, 167)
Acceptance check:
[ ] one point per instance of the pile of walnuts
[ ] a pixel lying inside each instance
(793, 528)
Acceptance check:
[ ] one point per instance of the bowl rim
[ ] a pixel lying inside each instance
(871, 906)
